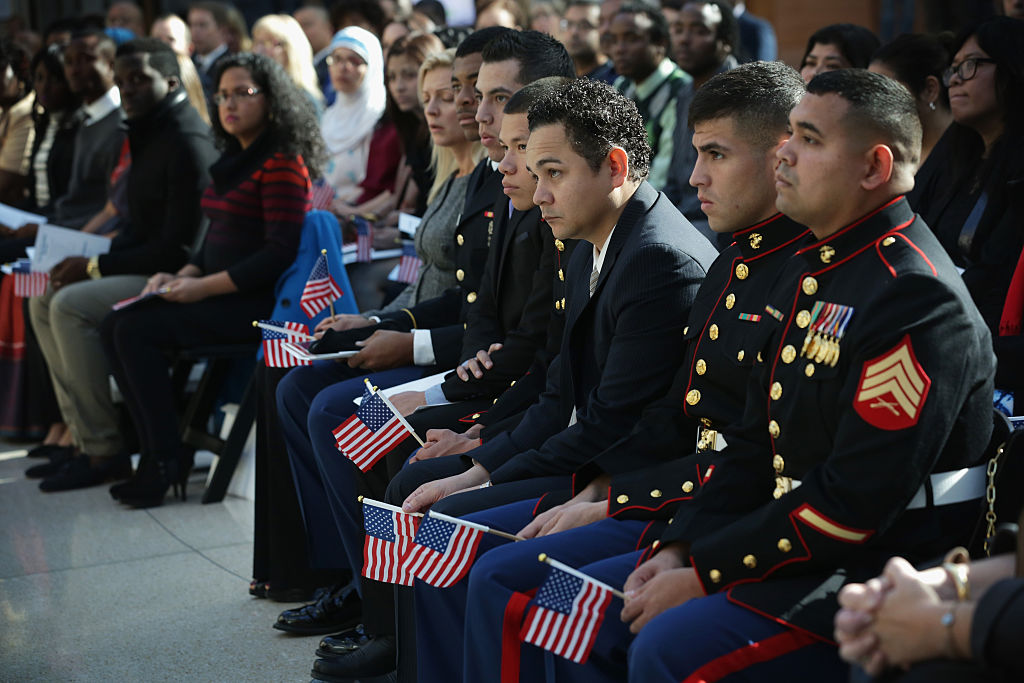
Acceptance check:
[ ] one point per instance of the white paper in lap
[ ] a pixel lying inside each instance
(415, 385)
(54, 244)
(15, 218)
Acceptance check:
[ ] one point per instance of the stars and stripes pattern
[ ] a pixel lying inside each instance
(566, 615)
(28, 283)
(321, 195)
(364, 239)
(371, 432)
(409, 266)
(443, 551)
(275, 354)
(389, 534)
(321, 290)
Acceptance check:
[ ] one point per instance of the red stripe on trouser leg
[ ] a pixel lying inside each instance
(510, 643)
(755, 653)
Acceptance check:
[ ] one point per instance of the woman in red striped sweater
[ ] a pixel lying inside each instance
(256, 205)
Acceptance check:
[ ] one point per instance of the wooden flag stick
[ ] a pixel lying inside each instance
(327, 266)
(283, 330)
(543, 557)
(396, 413)
(474, 525)
(385, 506)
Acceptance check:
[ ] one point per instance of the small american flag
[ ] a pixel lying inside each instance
(274, 353)
(443, 551)
(28, 283)
(321, 290)
(566, 614)
(321, 195)
(409, 266)
(389, 534)
(364, 239)
(371, 432)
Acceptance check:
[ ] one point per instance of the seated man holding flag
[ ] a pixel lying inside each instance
(741, 118)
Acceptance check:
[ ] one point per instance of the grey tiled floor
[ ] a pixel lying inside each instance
(90, 591)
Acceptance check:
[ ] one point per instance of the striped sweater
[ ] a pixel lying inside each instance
(255, 217)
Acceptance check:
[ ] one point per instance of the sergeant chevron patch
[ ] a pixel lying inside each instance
(893, 388)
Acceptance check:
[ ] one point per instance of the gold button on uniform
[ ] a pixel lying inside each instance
(740, 354)
(687, 486)
(788, 353)
(730, 301)
(693, 397)
(563, 303)
(561, 275)
(749, 561)
(742, 271)
(778, 463)
(476, 416)
(776, 392)
(558, 305)
(784, 545)
(715, 576)
(888, 241)
(809, 370)
(773, 429)
(622, 499)
(803, 319)
(810, 286)
(760, 359)
(700, 366)
(471, 297)
(460, 239)
(460, 275)
(713, 332)
(559, 245)
(656, 493)
(778, 492)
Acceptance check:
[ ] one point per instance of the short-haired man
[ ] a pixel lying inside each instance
(126, 14)
(171, 151)
(704, 43)
(316, 24)
(638, 42)
(865, 426)
(208, 22)
(582, 36)
(640, 480)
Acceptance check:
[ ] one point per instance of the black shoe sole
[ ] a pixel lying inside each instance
(319, 630)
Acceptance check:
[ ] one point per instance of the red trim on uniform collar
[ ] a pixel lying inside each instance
(849, 227)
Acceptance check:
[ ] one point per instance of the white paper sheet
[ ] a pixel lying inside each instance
(54, 244)
(15, 218)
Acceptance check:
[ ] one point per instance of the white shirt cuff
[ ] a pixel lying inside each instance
(422, 348)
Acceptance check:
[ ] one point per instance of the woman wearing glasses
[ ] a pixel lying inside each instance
(256, 205)
(976, 213)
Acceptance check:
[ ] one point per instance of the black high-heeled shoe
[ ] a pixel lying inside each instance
(149, 491)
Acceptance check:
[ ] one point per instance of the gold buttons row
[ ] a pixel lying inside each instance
(560, 304)
(773, 429)
(730, 301)
(460, 275)
(700, 366)
(471, 297)
(693, 397)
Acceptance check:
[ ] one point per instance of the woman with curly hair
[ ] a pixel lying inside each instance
(256, 205)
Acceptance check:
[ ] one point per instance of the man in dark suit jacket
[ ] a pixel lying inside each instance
(628, 298)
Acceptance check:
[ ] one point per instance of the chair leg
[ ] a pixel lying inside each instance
(232, 451)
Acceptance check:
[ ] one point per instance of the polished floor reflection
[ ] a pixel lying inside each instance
(90, 591)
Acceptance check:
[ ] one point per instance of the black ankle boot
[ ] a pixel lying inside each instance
(149, 489)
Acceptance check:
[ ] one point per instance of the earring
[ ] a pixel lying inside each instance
(931, 105)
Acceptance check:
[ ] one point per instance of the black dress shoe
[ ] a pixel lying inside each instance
(334, 611)
(343, 643)
(79, 473)
(317, 677)
(57, 458)
(51, 451)
(375, 657)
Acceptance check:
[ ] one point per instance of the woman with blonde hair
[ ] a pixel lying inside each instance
(281, 38)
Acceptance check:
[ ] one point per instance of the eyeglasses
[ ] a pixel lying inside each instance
(225, 97)
(966, 69)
